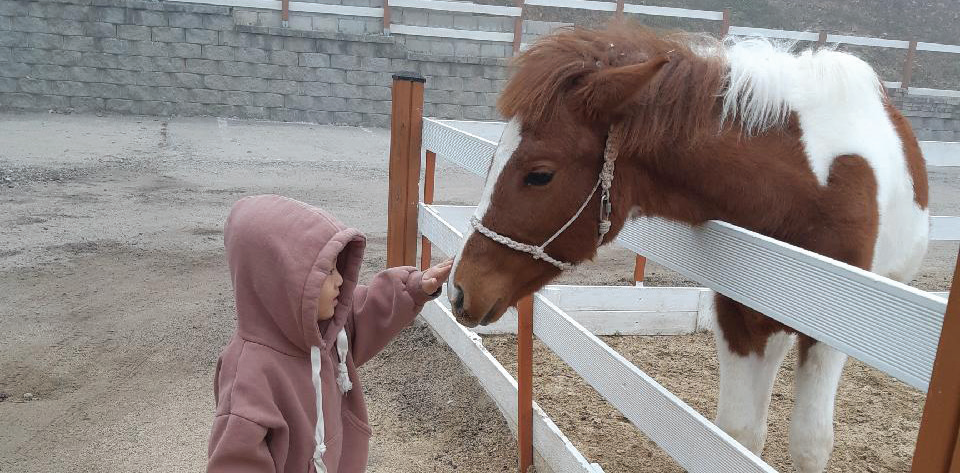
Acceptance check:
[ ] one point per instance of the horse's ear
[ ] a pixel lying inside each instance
(607, 90)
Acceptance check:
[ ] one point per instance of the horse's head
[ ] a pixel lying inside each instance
(564, 95)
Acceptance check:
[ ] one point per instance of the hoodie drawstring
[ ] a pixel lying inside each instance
(321, 447)
(343, 377)
(343, 382)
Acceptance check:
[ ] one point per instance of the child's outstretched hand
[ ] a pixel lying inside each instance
(435, 276)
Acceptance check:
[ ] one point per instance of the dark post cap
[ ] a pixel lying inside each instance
(410, 76)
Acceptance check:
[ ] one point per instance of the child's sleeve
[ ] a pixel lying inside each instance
(238, 445)
(382, 309)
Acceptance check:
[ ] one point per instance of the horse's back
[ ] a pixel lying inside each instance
(843, 110)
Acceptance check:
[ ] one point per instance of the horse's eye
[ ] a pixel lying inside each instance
(539, 178)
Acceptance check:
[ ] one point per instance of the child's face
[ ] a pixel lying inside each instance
(328, 295)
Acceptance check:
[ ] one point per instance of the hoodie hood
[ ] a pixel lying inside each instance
(280, 251)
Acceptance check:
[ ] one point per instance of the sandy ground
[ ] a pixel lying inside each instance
(115, 301)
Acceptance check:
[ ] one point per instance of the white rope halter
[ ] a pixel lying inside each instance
(604, 181)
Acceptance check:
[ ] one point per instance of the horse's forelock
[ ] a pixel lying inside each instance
(545, 78)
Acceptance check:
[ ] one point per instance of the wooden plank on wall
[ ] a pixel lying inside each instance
(463, 7)
(771, 33)
(576, 4)
(674, 12)
(451, 33)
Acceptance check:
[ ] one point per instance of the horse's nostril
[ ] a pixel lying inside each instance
(458, 302)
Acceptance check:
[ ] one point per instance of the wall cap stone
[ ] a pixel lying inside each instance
(148, 5)
(290, 33)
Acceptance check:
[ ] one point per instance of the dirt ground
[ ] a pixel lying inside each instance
(115, 301)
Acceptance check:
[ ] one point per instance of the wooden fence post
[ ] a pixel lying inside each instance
(726, 23)
(518, 28)
(285, 13)
(525, 382)
(822, 39)
(638, 270)
(406, 125)
(428, 182)
(908, 66)
(938, 444)
(619, 13)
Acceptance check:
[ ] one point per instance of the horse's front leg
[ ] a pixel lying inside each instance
(750, 350)
(811, 425)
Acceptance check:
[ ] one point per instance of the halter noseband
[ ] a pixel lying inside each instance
(604, 181)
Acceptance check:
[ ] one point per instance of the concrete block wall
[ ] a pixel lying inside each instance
(933, 118)
(533, 29)
(160, 58)
(456, 21)
(358, 25)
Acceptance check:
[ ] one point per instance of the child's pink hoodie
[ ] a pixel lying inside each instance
(280, 364)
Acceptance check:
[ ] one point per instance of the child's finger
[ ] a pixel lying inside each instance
(439, 269)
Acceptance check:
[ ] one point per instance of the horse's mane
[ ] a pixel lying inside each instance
(681, 101)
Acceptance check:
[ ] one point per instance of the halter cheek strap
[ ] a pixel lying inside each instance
(604, 182)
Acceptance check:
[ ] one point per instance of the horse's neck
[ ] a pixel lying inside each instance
(748, 182)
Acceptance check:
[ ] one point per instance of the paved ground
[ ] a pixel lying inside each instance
(115, 298)
(115, 301)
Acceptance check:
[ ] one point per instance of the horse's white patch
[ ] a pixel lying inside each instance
(746, 383)
(811, 424)
(509, 142)
(839, 104)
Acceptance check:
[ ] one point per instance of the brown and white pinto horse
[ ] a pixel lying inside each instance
(804, 148)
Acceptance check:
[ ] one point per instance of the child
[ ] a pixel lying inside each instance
(288, 397)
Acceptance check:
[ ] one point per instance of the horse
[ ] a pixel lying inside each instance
(609, 124)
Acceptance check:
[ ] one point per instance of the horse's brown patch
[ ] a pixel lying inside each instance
(915, 162)
(842, 223)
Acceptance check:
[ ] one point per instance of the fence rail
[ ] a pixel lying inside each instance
(693, 441)
(556, 453)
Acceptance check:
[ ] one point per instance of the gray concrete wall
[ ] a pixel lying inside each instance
(158, 58)
(933, 118)
(161, 58)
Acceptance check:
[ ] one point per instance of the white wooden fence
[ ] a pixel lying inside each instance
(888, 325)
